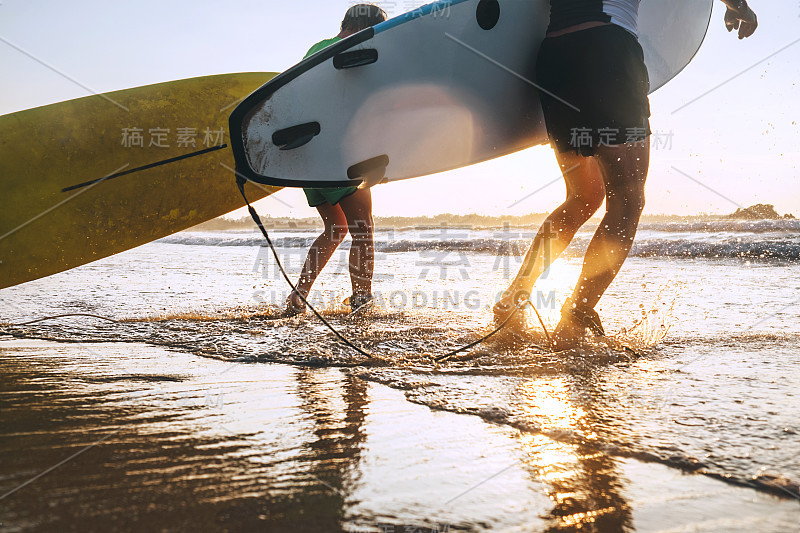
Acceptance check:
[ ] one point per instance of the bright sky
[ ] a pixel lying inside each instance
(741, 141)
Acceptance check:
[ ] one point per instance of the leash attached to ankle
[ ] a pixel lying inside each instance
(585, 317)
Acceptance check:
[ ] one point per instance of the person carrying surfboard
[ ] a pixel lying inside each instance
(343, 208)
(593, 85)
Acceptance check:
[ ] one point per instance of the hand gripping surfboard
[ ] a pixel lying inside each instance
(444, 86)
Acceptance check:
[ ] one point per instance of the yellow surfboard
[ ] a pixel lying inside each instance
(92, 177)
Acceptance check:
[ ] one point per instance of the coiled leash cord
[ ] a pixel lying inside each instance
(257, 219)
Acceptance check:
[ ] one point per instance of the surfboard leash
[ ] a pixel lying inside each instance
(257, 219)
(503, 324)
(240, 182)
(65, 315)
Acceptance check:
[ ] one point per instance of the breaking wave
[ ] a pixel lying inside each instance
(761, 240)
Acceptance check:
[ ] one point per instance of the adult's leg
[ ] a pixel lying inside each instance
(321, 251)
(624, 170)
(585, 193)
(357, 208)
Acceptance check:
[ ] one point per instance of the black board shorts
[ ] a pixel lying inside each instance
(593, 85)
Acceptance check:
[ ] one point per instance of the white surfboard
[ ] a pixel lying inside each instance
(444, 86)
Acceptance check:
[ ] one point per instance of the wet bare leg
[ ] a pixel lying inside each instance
(585, 194)
(357, 209)
(321, 251)
(624, 169)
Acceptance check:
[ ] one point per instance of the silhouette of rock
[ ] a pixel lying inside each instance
(757, 212)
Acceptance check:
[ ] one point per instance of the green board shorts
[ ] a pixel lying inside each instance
(331, 196)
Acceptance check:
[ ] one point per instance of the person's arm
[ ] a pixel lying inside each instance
(740, 17)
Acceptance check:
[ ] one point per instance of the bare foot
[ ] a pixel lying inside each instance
(575, 322)
(294, 305)
(568, 334)
(512, 302)
(360, 302)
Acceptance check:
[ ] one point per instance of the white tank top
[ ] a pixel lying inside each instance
(566, 13)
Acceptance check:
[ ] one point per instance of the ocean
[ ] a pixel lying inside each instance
(200, 408)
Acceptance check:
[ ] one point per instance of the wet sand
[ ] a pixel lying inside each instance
(133, 437)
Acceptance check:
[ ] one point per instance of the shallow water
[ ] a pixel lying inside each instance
(711, 389)
(145, 438)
